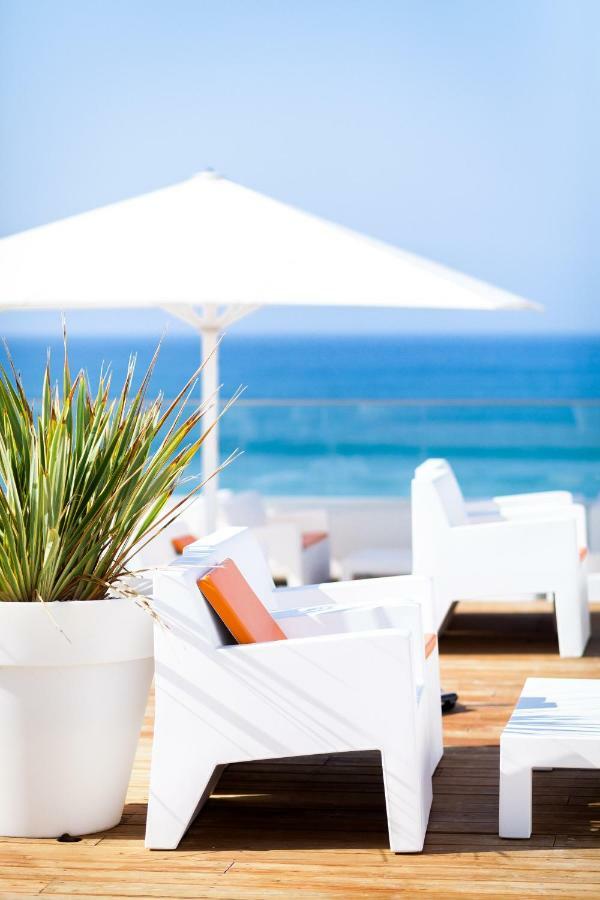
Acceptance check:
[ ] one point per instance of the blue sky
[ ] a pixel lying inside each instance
(463, 130)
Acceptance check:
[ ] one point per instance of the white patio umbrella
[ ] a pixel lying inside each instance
(211, 251)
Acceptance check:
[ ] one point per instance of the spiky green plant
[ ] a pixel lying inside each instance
(84, 480)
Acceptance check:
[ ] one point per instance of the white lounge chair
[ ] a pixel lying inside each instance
(555, 725)
(354, 675)
(498, 557)
(296, 554)
(395, 559)
(544, 504)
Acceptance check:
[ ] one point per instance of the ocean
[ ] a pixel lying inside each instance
(325, 415)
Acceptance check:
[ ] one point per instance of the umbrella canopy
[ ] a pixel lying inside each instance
(210, 251)
(209, 240)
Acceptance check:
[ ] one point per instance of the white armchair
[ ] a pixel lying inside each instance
(296, 554)
(514, 506)
(533, 553)
(354, 674)
(393, 558)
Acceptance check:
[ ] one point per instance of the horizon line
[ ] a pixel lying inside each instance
(285, 333)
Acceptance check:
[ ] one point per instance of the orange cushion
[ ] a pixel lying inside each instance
(430, 642)
(180, 543)
(583, 552)
(309, 538)
(238, 607)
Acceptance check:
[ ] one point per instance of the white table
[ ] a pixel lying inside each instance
(555, 724)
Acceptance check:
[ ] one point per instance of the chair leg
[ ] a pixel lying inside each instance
(572, 618)
(408, 800)
(515, 796)
(180, 785)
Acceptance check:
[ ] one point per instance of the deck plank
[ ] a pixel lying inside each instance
(315, 827)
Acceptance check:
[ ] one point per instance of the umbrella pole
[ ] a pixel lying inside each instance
(210, 397)
(210, 325)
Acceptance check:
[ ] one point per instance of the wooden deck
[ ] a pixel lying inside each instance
(316, 828)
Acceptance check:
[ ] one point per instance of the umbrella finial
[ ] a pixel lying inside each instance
(208, 173)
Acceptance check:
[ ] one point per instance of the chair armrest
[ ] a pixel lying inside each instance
(414, 588)
(334, 657)
(524, 543)
(338, 619)
(574, 511)
(310, 695)
(539, 511)
(553, 498)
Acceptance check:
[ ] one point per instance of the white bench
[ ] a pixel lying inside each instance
(555, 725)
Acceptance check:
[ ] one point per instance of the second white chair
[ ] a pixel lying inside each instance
(537, 552)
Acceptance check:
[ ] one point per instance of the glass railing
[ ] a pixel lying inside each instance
(371, 447)
(367, 447)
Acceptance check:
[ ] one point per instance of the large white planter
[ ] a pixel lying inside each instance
(74, 680)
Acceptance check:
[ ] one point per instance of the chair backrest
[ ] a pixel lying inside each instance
(441, 488)
(437, 504)
(244, 508)
(240, 545)
(178, 599)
